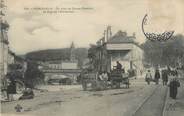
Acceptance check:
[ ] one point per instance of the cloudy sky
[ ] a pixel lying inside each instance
(34, 30)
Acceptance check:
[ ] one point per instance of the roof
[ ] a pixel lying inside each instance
(121, 37)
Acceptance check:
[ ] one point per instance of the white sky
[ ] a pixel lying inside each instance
(31, 31)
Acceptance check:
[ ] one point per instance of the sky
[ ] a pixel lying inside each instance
(32, 30)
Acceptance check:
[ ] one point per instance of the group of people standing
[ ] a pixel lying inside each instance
(166, 75)
(8, 88)
(103, 77)
(156, 78)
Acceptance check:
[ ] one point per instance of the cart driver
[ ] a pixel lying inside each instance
(118, 66)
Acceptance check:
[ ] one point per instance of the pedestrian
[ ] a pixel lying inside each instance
(105, 79)
(169, 70)
(11, 89)
(164, 77)
(157, 76)
(173, 87)
(60, 81)
(4, 85)
(148, 77)
(176, 72)
(100, 78)
(99, 83)
(141, 72)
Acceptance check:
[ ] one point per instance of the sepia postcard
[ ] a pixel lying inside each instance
(92, 57)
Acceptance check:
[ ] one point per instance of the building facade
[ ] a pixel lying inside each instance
(123, 48)
(119, 47)
(4, 48)
(8, 59)
(11, 57)
(62, 68)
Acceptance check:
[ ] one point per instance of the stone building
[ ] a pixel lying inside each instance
(119, 47)
(8, 59)
(70, 63)
(4, 44)
(58, 69)
(123, 48)
(11, 57)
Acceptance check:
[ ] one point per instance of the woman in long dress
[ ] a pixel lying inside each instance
(173, 87)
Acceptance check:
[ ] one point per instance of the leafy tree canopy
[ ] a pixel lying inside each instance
(169, 53)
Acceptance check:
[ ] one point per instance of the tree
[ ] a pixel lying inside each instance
(33, 75)
(165, 53)
(98, 58)
(58, 54)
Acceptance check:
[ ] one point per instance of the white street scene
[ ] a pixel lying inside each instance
(92, 58)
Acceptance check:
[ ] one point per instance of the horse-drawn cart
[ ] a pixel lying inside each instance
(90, 81)
(118, 77)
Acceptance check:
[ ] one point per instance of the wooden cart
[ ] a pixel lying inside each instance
(117, 78)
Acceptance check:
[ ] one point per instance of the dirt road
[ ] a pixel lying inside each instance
(75, 102)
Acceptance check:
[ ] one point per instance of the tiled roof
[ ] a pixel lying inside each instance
(121, 37)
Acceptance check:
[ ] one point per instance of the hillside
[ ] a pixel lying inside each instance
(58, 54)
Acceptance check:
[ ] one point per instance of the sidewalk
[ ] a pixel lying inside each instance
(175, 107)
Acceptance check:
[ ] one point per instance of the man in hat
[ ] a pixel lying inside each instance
(157, 76)
(148, 77)
(164, 77)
